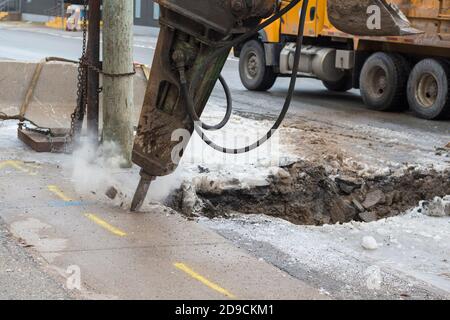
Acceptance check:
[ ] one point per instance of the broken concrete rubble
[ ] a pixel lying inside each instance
(369, 243)
(438, 207)
(348, 184)
(189, 203)
(358, 205)
(111, 193)
(368, 216)
(373, 198)
(444, 152)
(304, 193)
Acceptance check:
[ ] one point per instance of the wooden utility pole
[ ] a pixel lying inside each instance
(93, 56)
(118, 78)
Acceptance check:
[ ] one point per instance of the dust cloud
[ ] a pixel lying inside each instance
(95, 171)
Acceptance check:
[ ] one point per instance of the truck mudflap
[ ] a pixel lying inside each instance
(369, 18)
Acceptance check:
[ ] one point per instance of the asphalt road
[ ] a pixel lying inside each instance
(312, 101)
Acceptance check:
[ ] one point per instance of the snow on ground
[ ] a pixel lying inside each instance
(412, 149)
(251, 168)
(412, 251)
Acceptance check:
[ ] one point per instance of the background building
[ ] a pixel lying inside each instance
(146, 12)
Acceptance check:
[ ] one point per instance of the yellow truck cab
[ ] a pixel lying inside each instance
(393, 73)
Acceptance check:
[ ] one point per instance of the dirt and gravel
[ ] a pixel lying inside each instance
(327, 174)
(304, 193)
(355, 206)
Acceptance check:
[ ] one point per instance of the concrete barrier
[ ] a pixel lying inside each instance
(10, 16)
(55, 94)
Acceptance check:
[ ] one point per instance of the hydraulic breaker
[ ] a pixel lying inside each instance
(193, 31)
(192, 28)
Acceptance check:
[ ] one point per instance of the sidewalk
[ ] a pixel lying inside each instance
(151, 255)
(22, 276)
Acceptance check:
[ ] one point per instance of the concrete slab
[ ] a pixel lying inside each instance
(14, 80)
(55, 94)
(22, 276)
(150, 273)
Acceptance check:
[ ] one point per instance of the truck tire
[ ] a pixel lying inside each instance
(254, 73)
(342, 85)
(383, 82)
(428, 89)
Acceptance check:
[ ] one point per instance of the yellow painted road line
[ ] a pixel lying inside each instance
(206, 282)
(105, 225)
(3, 164)
(59, 193)
(17, 165)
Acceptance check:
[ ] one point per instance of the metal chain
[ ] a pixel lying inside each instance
(78, 114)
(112, 75)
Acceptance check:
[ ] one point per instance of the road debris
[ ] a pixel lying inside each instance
(358, 206)
(369, 243)
(348, 184)
(304, 193)
(438, 207)
(373, 198)
(368, 216)
(111, 193)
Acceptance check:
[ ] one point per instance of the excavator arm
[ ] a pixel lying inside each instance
(194, 39)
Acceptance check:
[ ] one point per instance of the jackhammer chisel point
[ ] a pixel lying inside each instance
(141, 191)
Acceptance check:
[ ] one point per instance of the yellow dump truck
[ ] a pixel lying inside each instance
(393, 73)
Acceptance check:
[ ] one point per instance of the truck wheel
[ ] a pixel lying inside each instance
(342, 85)
(383, 82)
(255, 75)
(428, 90)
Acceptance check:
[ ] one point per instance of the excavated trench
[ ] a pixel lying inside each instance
(303, 193)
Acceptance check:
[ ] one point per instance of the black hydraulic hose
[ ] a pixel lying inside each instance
(227, 117)
(287, 103)
(229, 44)
(226, 46)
